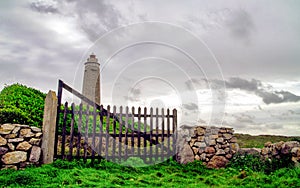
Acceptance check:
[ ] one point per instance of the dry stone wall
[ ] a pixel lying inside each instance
(19, 146)
(276, 150)
(215, 146)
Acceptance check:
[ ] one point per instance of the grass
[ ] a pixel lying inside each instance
(249, 141)
(167, 174)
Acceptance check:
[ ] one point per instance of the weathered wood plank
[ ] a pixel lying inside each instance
(114, 134)
(64, 132)
(107, 131)
(139, 131)
(86, 133)
(79, 131)
(71, 133)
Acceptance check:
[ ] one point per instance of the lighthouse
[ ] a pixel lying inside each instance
(91, 79)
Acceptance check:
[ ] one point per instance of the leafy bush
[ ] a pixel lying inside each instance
(21, 104)
(14, 115)
(257, 164)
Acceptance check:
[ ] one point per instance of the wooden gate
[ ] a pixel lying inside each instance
(89, 131)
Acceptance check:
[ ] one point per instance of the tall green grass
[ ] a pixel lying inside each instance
(167, 174)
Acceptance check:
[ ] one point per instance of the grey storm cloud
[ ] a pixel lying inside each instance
(194, 83)
(244, 118)
(43, 7)
(190, 106)
(96, 17)
(135, 92)
(240, 24)
(262, 91)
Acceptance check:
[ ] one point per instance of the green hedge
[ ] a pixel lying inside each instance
(21, 104)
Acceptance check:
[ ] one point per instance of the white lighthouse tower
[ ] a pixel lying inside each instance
(91, 79)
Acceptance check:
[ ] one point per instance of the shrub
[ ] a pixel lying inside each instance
(21, 104)
(256, 163)
(14, 115)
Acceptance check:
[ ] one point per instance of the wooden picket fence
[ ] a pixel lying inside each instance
(89, 131)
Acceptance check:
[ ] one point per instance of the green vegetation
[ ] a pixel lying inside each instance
(21, 104)
(167, 174)
(249, 141)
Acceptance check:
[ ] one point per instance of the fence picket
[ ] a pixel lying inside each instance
(71, 132)
(145, 130)
(126, 132)
(120, 132)
(114, 134)
(100, 131)
(79, 131)
(156, 135)
(107, 132)
(132, 131)
(86, 132)
(139, 131)
(63, 140)
(163, 134)
(168, 131)
(94, 133)
(151, 132)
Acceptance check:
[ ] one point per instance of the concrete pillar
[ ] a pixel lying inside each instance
(91, 79)
(49, 127)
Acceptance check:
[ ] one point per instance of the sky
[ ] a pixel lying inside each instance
(223, 63)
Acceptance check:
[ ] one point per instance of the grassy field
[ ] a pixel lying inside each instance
(171, 174)
(249, 141)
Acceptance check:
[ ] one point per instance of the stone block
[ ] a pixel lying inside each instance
(26, 133)
(200, 144)
(35, 141)
(11, 146)
(197, 157)
(200, 138)
(3, 141)
(6, 128)
(10, 167)
(203, 157)
(227, 136)
(195, 150)
(287, 146)
(37, 135)
(16, 130)
(185, 154)
(279, 145)
(13, 135)
(233, 140)
(3, 150)
(234, 147)
(212, 142)
(35, 129)
(295, 152)
(14, 157)
(220, 140)
(220, 152)
(265, 151)
(268, 144)
(24, 146)
(200, 131)
(228, 156)
(217, 162)
(35, 154)
(16, 140)
(210, 150)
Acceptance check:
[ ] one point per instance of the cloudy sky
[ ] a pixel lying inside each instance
(232, 62)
